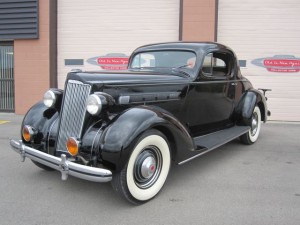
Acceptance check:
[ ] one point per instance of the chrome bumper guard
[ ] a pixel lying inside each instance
(62, 164)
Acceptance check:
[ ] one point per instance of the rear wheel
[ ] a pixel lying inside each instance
(252, 135)
(147, 169)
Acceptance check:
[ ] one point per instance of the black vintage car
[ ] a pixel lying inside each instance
(175, 102)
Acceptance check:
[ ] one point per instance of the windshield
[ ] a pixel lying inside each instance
(164, 59)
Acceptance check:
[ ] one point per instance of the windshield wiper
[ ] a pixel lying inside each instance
(182, 66)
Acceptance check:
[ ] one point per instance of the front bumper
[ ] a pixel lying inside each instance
(62, 164)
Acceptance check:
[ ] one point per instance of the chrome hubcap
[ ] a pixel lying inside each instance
(147, 167)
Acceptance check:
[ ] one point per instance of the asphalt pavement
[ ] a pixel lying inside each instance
(234, 185)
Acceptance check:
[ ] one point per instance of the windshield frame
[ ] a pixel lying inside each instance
(176, 69)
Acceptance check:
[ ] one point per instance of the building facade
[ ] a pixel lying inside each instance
(42, 40)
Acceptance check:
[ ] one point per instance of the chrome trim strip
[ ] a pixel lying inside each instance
(62, 164)
(187, 82)
(74, 82)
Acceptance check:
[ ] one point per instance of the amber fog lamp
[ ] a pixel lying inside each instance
(73, 146)
(27, 133)
(49, 98)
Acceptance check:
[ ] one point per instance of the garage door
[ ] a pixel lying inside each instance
(265, 35)
(95, 34)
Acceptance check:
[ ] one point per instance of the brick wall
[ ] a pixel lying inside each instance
(32, 64)
(198, 20)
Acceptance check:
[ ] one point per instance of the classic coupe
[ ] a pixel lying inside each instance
(175, 102)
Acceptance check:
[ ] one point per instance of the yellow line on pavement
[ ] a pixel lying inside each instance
(3, 121)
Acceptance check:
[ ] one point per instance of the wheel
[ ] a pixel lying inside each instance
(147, 169)
(42, 166)
(252, 135)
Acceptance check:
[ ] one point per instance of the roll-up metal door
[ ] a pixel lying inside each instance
(6, 78)
(94, 35)
(265, 36)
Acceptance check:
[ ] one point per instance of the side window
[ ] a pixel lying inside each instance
(143, 60)
(207, 64)
(217, 64)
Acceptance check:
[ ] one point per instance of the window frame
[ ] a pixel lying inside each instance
(229, 65)
(163, 50)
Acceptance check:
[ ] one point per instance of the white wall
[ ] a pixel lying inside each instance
(93, 28)
(260, 29)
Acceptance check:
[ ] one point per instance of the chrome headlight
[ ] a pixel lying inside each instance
(49, 98)
(94, 104)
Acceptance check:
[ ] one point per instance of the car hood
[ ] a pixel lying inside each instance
(127, 77)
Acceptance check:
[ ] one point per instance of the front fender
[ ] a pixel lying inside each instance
(119, 138)
(42, 120)
(245, 107)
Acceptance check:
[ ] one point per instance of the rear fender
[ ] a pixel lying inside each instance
(245, 107)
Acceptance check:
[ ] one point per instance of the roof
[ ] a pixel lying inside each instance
(194, 46)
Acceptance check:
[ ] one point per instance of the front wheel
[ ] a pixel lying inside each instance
(252, 135)
(147, 169)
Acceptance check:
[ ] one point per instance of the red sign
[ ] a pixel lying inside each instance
(114, 61)
(285, 65)
(282, 62)
(279, 63)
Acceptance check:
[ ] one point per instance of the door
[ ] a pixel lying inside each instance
(210, 100)
(113, 30)
(265, 36)
(6, 77)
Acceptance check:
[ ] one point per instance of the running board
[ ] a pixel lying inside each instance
(209, 142)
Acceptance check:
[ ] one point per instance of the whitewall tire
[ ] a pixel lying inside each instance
(147, 169)
(252, 135)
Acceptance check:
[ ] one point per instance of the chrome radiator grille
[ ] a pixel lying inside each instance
(73, 112)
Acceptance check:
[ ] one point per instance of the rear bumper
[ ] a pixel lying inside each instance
(62, 164)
